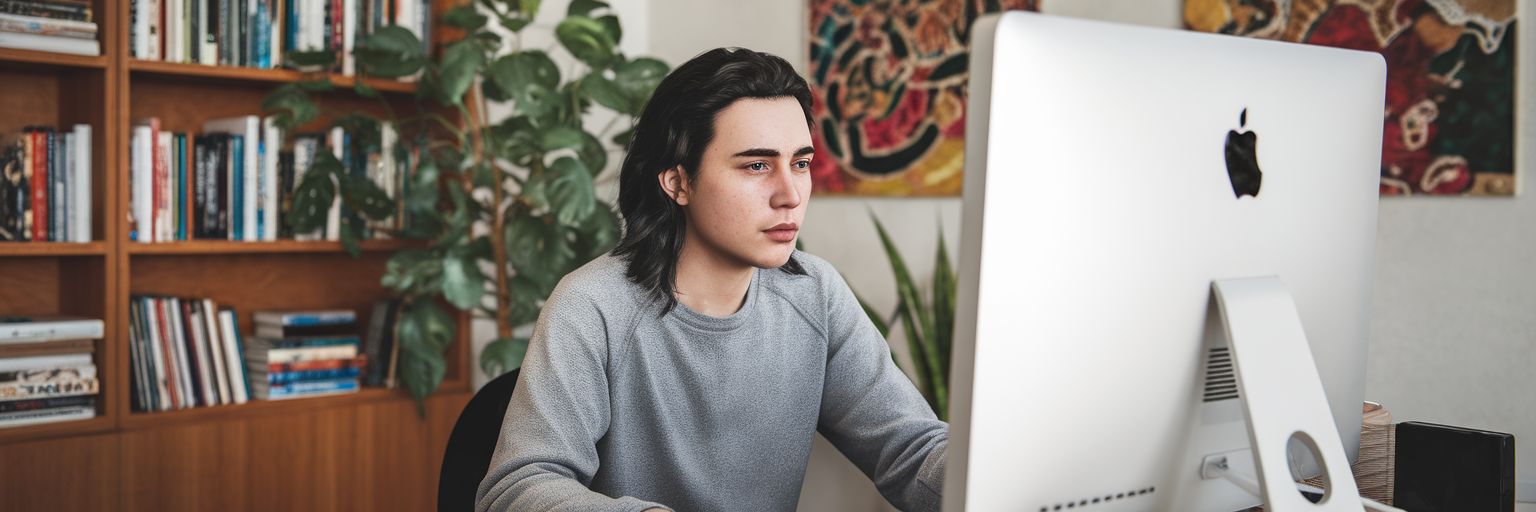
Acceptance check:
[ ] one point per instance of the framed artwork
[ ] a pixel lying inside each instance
(889, 78)
(1449, 121)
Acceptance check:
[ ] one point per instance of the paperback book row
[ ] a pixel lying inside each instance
(46, 369)
(189, 353)
(60, 26)
(45, 185)
(256, 33)
(236, 181)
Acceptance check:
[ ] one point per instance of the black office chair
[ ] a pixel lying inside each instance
(471, 444)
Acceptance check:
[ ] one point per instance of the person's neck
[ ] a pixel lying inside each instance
(709, 283)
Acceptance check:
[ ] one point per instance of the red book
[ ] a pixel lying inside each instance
(39, 186)
(167, 351)
(328, 364)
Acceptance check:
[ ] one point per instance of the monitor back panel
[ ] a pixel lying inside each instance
(1099, 208)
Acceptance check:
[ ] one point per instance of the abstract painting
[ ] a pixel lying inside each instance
(1449, 120)
(889, 78)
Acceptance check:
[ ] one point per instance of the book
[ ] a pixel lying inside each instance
(230, 332)
(48, 382)
(47, 348)
(141, 177)
(264, 357)
(305, 318)
(271, 142)
(382, 320)
(279, 378)
(325, 364)
(74, 10)
(47, 26)
(33, 404)
(28, 329)
(12, 364)
(50, 43)
(14, 193)
(37, 154)
(261, 390)
(261, 342)
(40, 416)
(249, 128)
(80, 203)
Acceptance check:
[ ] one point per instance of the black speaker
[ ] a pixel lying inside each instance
(1441, 468)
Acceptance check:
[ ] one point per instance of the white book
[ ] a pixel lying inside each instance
(143, 192)
(250, 128)
(208, 53)
(172, 30)
(386, 172)
(333, 217)
(294, 355)
(46, 43)
(80, 204)
(49, 328)
(229, 331)
(51, 416)
(348, 36)
(165, 225)
(155, 34)
(141, 29)
(272, 145)
(279, 20)
(215, 352)
(12, 364)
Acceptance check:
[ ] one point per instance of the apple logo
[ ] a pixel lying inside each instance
(1242, 159)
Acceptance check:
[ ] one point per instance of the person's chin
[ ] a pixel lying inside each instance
(775, 257)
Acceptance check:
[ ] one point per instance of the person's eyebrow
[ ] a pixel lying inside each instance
(773, 153)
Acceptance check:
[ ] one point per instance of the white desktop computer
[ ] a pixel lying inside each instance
(1133, 196)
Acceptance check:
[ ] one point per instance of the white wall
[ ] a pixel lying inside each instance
(1454, 324)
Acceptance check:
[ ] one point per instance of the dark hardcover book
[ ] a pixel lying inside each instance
(293, 331)
(263, 342)
(55, 185)
(218, 199)
(135, 360)
(179, 164)
(196, 357)
(13, 193)
(194, 28)
(200, 164)
(226, 36)
(242, 21)
(52, 9)
(284, 193)
(47, 403)
(211, 26)
(379, 322)
(388, 352)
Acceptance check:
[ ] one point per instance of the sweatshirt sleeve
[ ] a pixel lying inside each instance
(873, 413)
(547, 454)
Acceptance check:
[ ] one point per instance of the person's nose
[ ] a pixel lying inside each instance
(787, 192)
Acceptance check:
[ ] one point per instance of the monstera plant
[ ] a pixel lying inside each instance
(509, 207)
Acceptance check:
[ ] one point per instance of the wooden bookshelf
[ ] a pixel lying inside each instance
(365, 450)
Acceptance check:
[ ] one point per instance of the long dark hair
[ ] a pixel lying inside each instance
(676, 126)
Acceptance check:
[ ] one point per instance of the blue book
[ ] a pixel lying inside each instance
(267, 342)
(315, 387)
(300, 377)
(237, 195)
(264, 36)
(181, 186)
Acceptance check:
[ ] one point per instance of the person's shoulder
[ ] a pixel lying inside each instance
(813, 275)
(815, 267)
(600, 281)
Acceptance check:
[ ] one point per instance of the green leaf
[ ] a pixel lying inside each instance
(461, 62)
(463, 284)
(604, 92)
(521, 71)
(363, 89)
(592, 154)
(538, 250)
(611, 27)
(391, 51)
(526, 299)
(583, 7)
(587, 39)
(637, 79)
(917, 322)
(309, 59)
(622, 139)
(407, 267)
(294, 106)
(503, 355)
(348, 238)
(424, 333)
(944, 290)
(363, 195)
(570, 191)
(312, 201)
(465, 17)
(529, 7)
(515, 24)
(494, 92)
(434, 328)
(560, 137)
(320, 85)
(597, 235)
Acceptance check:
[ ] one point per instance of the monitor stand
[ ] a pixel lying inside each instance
(1282, 395)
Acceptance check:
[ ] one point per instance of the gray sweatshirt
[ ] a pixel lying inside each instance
(619, 409)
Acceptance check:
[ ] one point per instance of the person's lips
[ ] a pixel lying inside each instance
(783, 232)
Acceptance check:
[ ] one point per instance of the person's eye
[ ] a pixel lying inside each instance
(757, 166)
(802, 165)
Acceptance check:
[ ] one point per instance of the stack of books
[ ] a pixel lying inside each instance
(236, 181)
(256, 33)
(46, 373)
(60, 26)
(296, 354)
(45, 185)
(184, 353)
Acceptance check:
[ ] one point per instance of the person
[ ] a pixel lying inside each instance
(690, 368)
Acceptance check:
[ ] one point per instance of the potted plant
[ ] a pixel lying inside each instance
(510, 207)
(929, 326)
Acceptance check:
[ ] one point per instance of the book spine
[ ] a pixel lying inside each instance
(292, 355)
(46, 9)
(137, 358)
(33, 417)
(223, 172)
(58, 208)
(81, 232)
(27, 332)
(281, 378)
(232, 332)
(39, 186)
(306, 319)
(33, 404)
(48, 389)
(311, 387)
(323, 364)
(319, 341)
(202, 371)
(251, 174)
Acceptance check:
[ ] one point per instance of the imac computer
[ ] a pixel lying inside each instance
(1166, 268)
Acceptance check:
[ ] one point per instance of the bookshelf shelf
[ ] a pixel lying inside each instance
(52, 249)
(279, 246)
(179, 69)
(63, 60)
(261, 408)
(100, 424)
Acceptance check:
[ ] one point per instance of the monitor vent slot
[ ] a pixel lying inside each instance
(1097, 500)
(1220, 379)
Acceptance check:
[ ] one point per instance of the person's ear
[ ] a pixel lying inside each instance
(674, 183)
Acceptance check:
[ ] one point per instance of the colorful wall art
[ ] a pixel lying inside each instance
(1450, 117)
(889, 78)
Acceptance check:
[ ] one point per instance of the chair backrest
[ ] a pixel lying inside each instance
(472, 443)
